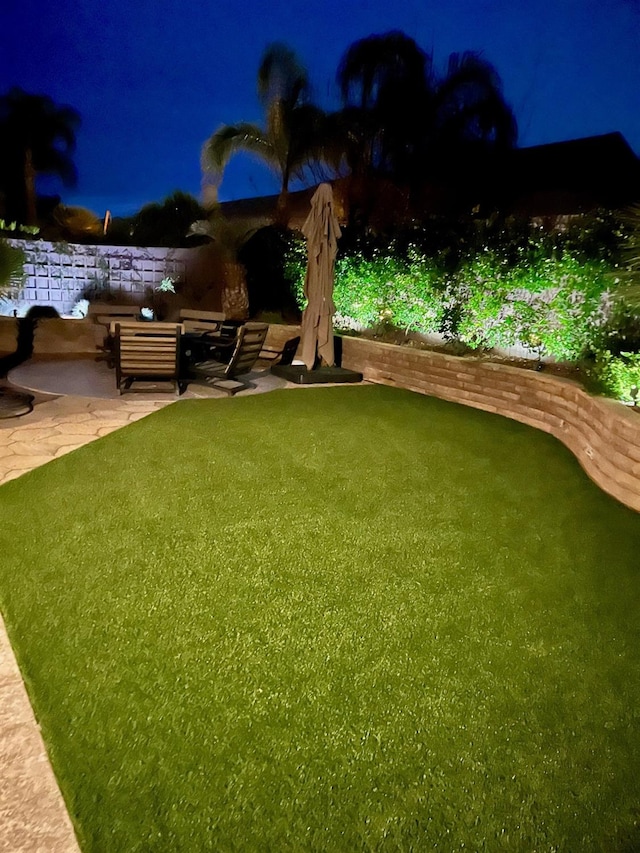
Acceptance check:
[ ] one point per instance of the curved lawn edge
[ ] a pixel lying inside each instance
(602, 434)
(337, 619)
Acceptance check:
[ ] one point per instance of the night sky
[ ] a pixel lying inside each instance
(153, 79)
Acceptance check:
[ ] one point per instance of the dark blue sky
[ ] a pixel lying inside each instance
(153, 79)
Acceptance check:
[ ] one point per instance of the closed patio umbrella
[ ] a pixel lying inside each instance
(322, 232)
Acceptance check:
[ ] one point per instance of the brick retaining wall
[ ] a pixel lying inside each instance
(602, 434)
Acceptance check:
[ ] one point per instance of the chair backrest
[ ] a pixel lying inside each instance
(147, 350)
(104, 312)
(249, 342)
(201, 321)
(229, 328)
(289, 351)
(142, 325)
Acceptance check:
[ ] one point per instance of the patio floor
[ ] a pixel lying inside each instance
(87, 377)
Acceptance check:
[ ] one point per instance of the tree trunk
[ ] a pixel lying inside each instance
(31, 215)
(235, 299)
(282, 208)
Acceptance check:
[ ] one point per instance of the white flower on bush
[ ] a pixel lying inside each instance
(553, 321)
(603, 312)
(506, 311)
(547, 296)
(342, 321)
(80, 309)
(521, 294)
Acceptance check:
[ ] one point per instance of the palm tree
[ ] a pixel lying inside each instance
(384, 81)
(470, 113)
(404, 121)
(293, 126)
(166, 223)
(37, 137)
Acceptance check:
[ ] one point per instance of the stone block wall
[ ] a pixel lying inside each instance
(278, 335)
(602, 434)
(57, 274)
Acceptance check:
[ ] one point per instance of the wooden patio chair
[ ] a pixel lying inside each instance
(201, 321)
(282, 356)
(105, 314)
(248, 345)
(147, 352)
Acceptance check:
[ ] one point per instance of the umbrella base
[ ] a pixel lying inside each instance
(299, 374)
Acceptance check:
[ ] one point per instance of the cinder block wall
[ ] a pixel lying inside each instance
(603, 435)
(57, 274)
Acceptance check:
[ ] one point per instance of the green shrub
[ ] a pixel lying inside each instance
(622, 332)
(294, 265)
(555, 306)
(388, 290)
(11, 267)
(548, 292)
(618, 375)
(362, 290)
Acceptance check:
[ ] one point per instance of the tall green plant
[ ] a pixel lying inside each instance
(11, 268)
(540, 292)
(618, 375)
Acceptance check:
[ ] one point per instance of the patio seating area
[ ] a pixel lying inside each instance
(158, 357)
(199, 347)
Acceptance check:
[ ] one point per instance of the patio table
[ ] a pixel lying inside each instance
(200, 346)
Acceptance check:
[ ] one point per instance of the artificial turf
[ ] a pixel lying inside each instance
(332, 619)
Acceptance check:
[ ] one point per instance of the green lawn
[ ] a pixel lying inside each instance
(334, 619)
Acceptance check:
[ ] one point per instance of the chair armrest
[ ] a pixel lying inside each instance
(269, 354)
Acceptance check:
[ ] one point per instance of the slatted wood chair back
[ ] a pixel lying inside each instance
(147, 352)
(250, 339)
(247, 348)
(105, 312)
(201, 321)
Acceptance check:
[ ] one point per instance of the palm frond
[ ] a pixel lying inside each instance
(469, 102)
(281, 77)
(233, 138)
(377, 63)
